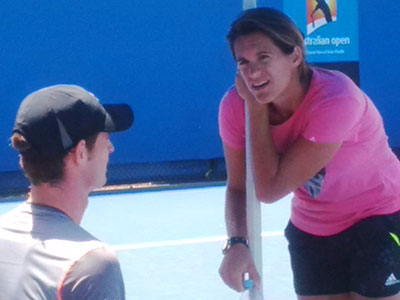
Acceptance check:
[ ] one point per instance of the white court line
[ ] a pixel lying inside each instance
(182, 242)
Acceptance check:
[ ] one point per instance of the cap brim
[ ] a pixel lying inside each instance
(119, 117)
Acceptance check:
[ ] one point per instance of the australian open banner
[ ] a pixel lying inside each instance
(330, 28)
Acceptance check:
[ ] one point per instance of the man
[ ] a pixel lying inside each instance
(62, 134)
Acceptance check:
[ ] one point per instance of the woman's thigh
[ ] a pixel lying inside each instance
(363, 261)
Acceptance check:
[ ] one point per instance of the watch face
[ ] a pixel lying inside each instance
(232, 241)
(226, 246)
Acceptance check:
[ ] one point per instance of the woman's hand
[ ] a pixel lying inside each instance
(242, 89)
(236, 263)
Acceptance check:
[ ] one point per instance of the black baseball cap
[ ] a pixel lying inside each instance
(54, 119)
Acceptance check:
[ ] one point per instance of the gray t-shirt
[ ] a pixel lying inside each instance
(44, 255)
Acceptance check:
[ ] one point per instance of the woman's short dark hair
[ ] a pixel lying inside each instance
(38, 168)
(277, 26)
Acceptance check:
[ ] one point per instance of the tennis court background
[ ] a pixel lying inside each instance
(169, 242)
(170, 61)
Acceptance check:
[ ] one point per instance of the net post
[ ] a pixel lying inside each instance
(253, 206)
(249, 4)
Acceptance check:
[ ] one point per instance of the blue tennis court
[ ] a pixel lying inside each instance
(169, 242)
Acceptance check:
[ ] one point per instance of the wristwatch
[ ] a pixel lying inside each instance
(232, 241)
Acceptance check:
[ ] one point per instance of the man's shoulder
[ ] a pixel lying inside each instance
(102, 254)
(96, 275)
(72, 242)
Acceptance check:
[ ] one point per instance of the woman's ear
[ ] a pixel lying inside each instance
(21, 162)
(297, 56)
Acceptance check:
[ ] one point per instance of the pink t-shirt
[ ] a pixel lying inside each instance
(363, 178)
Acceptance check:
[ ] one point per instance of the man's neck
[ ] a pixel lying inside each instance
(68, 199)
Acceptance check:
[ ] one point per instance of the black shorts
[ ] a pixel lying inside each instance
(364, 259)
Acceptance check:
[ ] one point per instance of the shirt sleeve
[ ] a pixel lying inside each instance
(232, 120)
(96, 276)
(335, 119)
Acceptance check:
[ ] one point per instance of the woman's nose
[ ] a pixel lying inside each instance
(254, 69)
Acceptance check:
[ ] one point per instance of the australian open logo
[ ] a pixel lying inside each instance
(320, 13)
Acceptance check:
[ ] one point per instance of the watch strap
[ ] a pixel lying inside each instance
(234, 240)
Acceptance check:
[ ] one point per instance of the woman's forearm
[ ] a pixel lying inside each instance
(265, 157)
(235, 213)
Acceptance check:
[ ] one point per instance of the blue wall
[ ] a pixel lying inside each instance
(380, 60)
(168, 59)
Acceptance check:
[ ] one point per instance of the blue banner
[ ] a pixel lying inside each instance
(330, 28)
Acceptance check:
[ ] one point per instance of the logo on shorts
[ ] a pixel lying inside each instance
(391, 280)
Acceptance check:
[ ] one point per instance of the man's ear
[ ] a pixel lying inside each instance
(79, 153)
(297, 56)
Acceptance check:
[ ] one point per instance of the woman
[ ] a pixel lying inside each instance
(315, 133)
